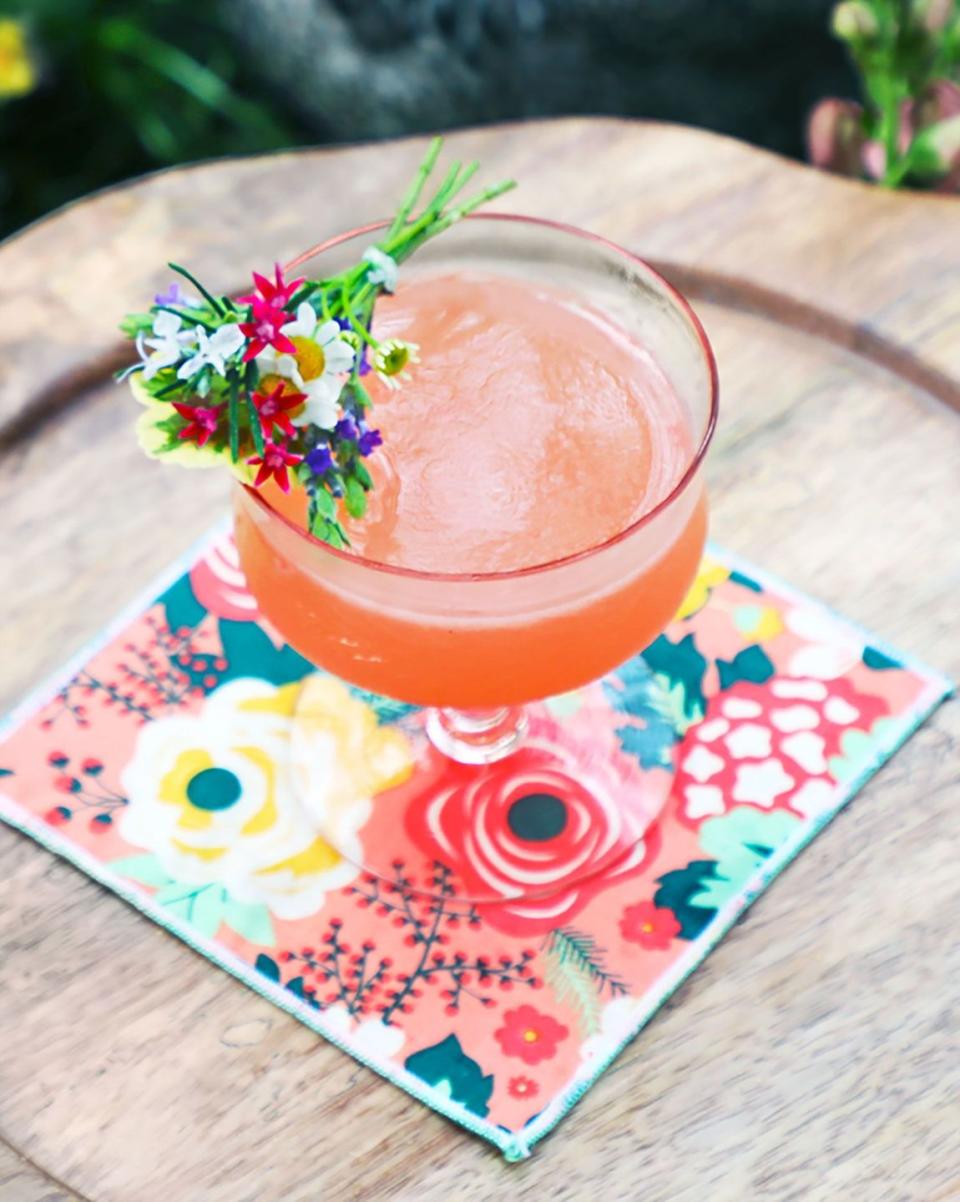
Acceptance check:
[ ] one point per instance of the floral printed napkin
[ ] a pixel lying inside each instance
(160, 763)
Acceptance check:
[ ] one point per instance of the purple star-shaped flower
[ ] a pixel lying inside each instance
(320, 460)
(174, 296)
(346, 427)
(369, 441)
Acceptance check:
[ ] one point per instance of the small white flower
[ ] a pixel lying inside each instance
(383, 269)
(212, 349)
(166, 346)
(322, 357)
(392, 359)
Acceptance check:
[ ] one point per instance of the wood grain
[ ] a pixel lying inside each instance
(814, 1056)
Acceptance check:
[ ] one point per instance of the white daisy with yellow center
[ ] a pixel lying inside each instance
(323, 356)
(219, 798)
(392, 359)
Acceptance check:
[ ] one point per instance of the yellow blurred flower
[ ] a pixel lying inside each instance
(221, 798)
(17, 72)
(711, 574)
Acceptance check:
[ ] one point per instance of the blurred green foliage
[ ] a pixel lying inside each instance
(116, 88)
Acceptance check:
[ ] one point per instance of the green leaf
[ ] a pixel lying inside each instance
(325, 504)
(574, 987)
(146, 869)
(355, 498)
(446, 1063)
(251, 920)
(207, 910)
(176, 893)
(676, 890)
(136, 323)
(366, 480)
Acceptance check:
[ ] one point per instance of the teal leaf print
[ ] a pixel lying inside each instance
(6, 772)
(752, 663)
(660, 706)
(680, 664)
(446, 1067)
(206, 913)
(878, 661)
(146, 869)
(386, 708)
(739, 842)
(249, 652)
(181, 606)
(268, 967)
(678, 888)
(746, 582)
(251, 920)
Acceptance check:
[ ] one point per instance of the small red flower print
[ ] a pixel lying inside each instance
(529, 1034)
(653, 927)
(57, 816)
(522, 1087)
(91, 767)
(57, 759)
(66, 784)
(520, 827)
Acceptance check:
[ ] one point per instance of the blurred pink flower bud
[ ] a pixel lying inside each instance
(934, 15)
(938, 102)
(835, 136)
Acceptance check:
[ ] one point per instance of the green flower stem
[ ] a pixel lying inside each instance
(413, 195)
(233, 417)
(207, 296)
(188, 318)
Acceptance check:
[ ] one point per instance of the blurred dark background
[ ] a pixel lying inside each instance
(94, 91)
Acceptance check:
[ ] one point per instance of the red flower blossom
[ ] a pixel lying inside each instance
(58, 759)
(274, 462)
(522, 1087)
(273, 408)
(202, 422)
(278, 292)
(529, 1034)
(653, 927)
(66, 784)
(520, 829)
(91, 766)
(57, 815)
(264, 330)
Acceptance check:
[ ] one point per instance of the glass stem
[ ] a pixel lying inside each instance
(477, 736)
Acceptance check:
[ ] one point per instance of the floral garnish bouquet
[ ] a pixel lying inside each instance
(272, 383)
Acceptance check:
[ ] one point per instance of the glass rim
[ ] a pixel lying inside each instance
(700, 337)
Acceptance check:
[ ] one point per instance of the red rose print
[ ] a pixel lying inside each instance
(519, 829)
(219, 584)
(522, 1087)
(653, 927)
(530, 1035)
(768, 746)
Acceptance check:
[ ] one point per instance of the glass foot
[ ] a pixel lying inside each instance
(501, 807)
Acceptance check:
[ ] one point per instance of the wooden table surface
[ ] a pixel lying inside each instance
(815, 1055)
